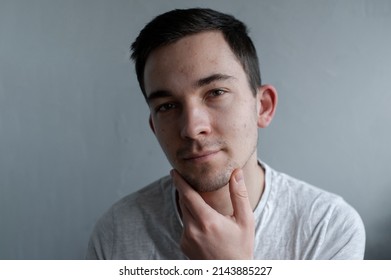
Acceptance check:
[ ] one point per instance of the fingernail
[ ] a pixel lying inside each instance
(239, 176)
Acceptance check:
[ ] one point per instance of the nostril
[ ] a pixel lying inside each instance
(195, 123)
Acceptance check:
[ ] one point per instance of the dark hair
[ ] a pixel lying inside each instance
(169, 27)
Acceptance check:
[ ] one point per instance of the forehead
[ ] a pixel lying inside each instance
(189, 59)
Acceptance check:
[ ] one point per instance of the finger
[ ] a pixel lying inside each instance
(239, 197)
(187, 217)
(191, 200)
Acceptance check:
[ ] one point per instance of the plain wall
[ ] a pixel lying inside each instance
(74, 133)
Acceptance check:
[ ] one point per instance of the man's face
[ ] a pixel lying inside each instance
(203, 111)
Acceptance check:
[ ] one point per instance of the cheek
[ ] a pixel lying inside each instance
(239, 120)
(163, 137)
(245, 131)
(166, 139)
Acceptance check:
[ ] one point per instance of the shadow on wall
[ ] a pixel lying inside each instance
(378, 247)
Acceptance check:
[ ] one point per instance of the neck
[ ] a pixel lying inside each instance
(254, 178)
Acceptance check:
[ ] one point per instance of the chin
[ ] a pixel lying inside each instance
(211, 185)
(208, 181)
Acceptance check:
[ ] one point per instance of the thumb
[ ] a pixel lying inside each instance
(239, 197)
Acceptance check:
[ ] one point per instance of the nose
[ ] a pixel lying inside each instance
(195, 122)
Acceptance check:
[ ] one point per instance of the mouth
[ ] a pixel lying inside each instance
(199, 157)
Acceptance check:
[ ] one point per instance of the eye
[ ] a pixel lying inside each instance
(165, 107)
(216, 92)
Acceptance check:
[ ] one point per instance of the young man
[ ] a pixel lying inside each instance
(199, 73)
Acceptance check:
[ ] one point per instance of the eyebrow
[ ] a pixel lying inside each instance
(199, 83)
(158, 94)
(212, 78)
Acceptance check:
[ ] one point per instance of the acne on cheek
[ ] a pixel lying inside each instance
(244, 129)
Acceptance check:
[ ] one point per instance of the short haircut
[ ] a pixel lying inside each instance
(171, 26)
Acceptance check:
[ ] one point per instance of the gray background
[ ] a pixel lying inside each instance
(74, 135)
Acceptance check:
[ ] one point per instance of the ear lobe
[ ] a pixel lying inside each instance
(267, 103)
(151, 124)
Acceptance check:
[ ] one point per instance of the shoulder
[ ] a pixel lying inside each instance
(152, 195)
(147, 201)
(333, 226)
(126, 218)
(301, 195)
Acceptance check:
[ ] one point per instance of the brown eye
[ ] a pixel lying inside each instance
(217, 92)
(165, 107)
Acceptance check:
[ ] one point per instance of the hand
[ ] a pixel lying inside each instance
(207, 234)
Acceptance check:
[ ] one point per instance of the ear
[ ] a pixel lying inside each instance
(266, 104)
(151, 124)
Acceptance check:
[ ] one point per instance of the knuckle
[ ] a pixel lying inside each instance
(190, 234)
(209, 226)
(241, 194)
(250, 223)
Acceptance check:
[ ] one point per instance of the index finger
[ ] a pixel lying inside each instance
(243, 212)
(191, 199)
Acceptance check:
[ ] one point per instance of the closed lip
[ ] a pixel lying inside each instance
(195, 156)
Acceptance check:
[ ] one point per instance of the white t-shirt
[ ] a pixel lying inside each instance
(293, 220)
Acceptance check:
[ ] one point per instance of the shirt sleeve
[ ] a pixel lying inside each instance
(340, 233)
(100, 245)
